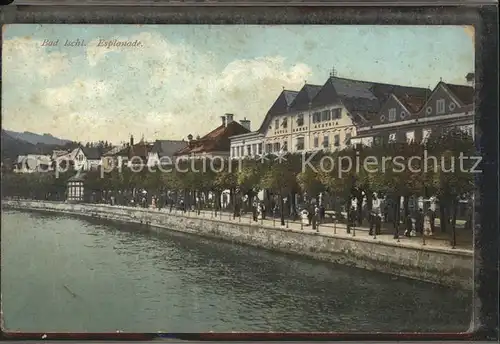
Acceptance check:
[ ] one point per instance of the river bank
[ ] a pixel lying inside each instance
(440, 265)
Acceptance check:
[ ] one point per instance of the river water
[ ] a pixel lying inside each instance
(62, 273)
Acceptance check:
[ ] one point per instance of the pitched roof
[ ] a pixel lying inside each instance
(215, 141)
(279, 107)
(304, 97)
(464, 93)
(168, 147)
(118, 150)
(92, 153)
(140, 149)
(413, 103)
(366, 96)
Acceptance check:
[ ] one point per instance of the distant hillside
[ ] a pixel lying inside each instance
(46, 139)
(12, 147)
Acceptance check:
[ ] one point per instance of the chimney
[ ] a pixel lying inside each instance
(245, 123)
(131, 140)
(223, 118)
(229, 118)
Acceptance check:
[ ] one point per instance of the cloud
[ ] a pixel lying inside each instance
(78, 95)
(160, 90)
(28, 58)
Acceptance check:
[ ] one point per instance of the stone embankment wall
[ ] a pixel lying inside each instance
(437, 265)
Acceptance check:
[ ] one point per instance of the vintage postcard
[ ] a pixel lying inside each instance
(153, 177)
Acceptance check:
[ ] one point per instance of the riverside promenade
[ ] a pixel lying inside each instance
(336, 229)
(433, 261)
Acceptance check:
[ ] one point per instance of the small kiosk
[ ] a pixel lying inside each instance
(75, 191)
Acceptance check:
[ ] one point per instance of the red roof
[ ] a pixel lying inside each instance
(215, 141)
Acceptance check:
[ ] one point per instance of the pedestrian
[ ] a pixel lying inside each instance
(322, 211)
(254, 211)
(378, 223)
(315, 218)
(409, 226)
(419, 221)
(371, 221)
(432, 219)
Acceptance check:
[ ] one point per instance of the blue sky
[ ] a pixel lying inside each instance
(184, 77)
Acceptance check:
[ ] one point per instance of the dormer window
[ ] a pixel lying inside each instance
(284, 124)
(336, 113)
(316, 117)
(276, 124)
(392, 115)
(325, 115)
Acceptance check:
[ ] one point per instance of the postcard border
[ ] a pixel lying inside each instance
(485, 304)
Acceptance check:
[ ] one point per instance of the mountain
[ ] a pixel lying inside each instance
(12, 147)
(46, 139)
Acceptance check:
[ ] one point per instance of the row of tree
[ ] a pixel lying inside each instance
(440, 168)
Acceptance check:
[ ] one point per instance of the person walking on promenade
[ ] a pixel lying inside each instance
(419, 222)
(262, 209)
(322, 211)
(432, 219)
(378, 223)
(409, 226)
(254, 211)
(315, 218)
(371, 221)
(310, 214)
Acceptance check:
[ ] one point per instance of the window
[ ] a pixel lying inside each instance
(382, 118)
(249, 150)
(392, 115)
(276, 124)
(428, 110)
(336, 140)
(254, 149)
(377, 140)
(325, 115)
(336, 113)
(284, 124)
(402, 115)
(452, 106)
(348, 138)
(300, 120)
(425, 135)
(392, 137)
(260, 148)
(410, 136)
(300, 143)
(316, 117)
(284, 147)
(277, 147)
(326, 140)
(316, 142)
(233, 151)
(269, 148)
(440, 109)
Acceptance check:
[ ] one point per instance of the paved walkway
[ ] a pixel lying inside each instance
(338, 230)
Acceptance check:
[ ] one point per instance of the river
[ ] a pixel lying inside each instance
(63, 273)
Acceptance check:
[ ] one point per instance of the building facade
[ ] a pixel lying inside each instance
(215, 144)
(413, 118)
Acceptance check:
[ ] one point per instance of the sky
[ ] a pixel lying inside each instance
(182, 78)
